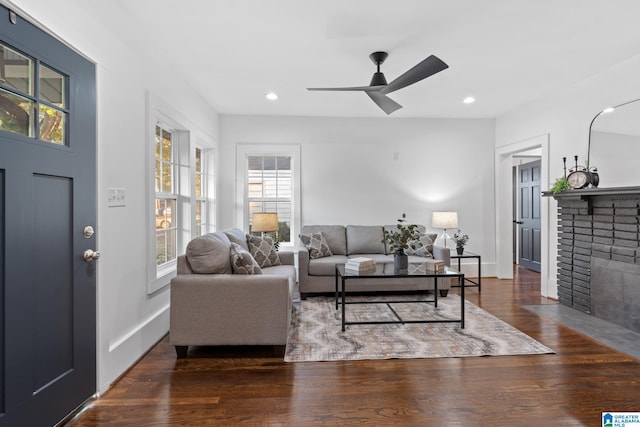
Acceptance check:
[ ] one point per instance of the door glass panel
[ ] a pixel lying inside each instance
(52, 124)
(16, 70)
(52, 86)
(16, 114)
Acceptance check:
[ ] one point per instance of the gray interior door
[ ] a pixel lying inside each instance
(529, 215)
(47, 186)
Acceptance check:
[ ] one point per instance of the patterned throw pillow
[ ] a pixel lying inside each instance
(424, 246)
(263, 251)
(242, 262)
(317, 245)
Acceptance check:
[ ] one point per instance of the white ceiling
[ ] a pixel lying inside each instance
(502, 52)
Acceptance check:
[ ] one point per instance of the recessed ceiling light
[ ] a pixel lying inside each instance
(608, 110)
(272, 96)
(469, 100)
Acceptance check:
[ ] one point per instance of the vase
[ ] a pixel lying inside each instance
(460, 250)
(400, 262)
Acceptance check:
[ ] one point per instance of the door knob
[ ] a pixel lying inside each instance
(518, 222)
(90, 255)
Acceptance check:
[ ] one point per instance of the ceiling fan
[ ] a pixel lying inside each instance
(378, 88)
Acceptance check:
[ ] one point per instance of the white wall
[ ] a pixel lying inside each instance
(129, 320)
(565, 117)
(349, 175)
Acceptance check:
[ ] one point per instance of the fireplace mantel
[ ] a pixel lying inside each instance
(599, 252)
(585, 193)
(588, 194)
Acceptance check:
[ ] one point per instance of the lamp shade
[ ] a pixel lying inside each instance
(444, 220)
(264, 221)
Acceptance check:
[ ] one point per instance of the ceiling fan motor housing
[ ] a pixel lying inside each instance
(378, 57)
(378, 79)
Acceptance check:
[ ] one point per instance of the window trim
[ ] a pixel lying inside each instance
(206, 190)
(186, 136)
(159, 276)
(243, 151)
(174, 195)
(210, 155)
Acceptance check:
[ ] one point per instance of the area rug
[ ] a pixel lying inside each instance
(316, 331)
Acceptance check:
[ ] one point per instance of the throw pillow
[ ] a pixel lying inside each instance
(263, 251)
(434, 237)
(424, 246)
(316, 244)
(209, 254)
(238, 236)
(242, 262)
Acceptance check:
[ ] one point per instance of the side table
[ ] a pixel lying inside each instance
(466, 255)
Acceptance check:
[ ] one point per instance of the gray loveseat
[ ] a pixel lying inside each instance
(318, 275)
(210, 305)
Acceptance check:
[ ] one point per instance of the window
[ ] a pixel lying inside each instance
(42, 115)
(201, 193)
(269, 181)
(180, 189)
(166, 212)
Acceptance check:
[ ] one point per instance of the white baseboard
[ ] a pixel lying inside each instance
(470, 267)
(124, 351)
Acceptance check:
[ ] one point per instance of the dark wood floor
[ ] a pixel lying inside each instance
(249, 386)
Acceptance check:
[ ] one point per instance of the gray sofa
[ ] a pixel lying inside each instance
(318, 275)
(210, 305)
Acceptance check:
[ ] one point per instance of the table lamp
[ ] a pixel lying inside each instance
(264, 222)
(444, 220)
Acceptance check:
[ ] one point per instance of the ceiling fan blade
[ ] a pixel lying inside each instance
(354, 88)
(387, 104)
(424, 69)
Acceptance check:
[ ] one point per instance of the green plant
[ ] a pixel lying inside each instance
(560, 185)
(401, 239)
(460, 239)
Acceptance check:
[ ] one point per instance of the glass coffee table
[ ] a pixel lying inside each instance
(382, 271)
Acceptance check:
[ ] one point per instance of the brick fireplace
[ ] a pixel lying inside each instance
(599, 253)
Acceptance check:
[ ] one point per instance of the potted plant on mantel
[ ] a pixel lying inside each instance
(400, 240)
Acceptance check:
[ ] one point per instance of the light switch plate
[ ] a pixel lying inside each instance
(116, 197)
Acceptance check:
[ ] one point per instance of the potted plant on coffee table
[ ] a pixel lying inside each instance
(399, 240)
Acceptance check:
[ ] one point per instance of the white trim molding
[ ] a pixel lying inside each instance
(504, 212)
(242, 151)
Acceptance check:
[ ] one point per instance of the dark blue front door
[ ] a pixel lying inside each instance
(47, 187)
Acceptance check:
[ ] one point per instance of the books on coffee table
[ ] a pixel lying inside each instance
(360, 265)
(435, 265)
